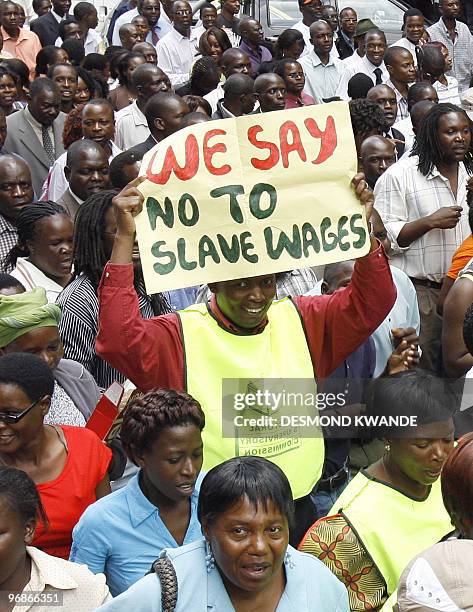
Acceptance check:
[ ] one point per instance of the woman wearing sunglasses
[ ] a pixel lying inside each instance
(67, 464)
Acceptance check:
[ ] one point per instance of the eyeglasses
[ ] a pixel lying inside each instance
(15, 418)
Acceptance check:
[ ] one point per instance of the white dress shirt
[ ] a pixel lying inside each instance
(175, 56)
(56, 183)
(162, 27)
(402, 108)
(214, 96)
(405, 127)
(407, 44)
(131, 127)
(321, 81)
(305, 31)
(403, 194)
(364, 66)
(30, 277)
(91, 44)
(448, 92)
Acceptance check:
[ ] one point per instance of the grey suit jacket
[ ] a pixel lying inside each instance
(69, 202)
(22, 140)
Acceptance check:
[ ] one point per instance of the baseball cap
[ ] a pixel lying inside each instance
(440, 578)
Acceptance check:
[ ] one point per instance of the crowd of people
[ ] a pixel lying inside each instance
(169, 513)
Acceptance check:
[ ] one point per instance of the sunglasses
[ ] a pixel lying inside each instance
(15, 418)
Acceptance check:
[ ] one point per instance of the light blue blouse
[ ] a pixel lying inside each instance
(121, 534)
(310, 586)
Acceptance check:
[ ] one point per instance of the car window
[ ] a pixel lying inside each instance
(387, 15)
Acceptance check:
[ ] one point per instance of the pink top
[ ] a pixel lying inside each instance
(293, 101)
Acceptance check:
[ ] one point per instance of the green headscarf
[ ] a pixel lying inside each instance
(22, 312)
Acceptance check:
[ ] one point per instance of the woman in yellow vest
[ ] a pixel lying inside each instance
(392, 510)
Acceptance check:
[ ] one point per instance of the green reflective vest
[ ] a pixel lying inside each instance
(279, 351)
(392, 527)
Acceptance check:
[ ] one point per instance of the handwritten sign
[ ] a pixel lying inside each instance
(249, 196)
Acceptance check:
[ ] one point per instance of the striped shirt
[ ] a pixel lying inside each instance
(460, 51)
(402, 195)
(8, 238)
(402, 108)
(78, 328)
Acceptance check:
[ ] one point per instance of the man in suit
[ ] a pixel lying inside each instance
(386, 99)
(47, 26)
(164, 113)
(35, 132)
(345, 42)
(87, 172)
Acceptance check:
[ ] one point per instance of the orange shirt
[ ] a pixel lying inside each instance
(65, 498)
(26, 47)
(461, 257)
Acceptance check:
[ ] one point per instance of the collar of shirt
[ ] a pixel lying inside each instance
(57, 17)
(140, 506)
(462, 175)
(161, 28)
(227, 325)
(224, 111)
(23, 35)
(6, 225)
(138, 117)
(316, 61)
(34, 123)
(444, 27)
(256, 54)
(76, 198)
(371, 67)
(297, 100)
(46, 571)
(347, 39)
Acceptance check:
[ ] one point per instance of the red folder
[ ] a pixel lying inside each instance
(106, 411)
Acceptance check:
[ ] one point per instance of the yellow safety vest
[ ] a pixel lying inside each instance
(392, 527)
(279, 351)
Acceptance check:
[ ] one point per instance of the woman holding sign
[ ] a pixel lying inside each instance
(241, 334)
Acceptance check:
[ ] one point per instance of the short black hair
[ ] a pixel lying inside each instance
(52, 69)
(63, 25)
(413, 393)
(19, 67)
(43, 84)
(28, 372)
(412, 12)
(256, 478)
(45, 57)
(21, 495)
(7, 281)
(82, 9)
(359, 86)
(117, 177)
(75, 50)
(95, 61)
(392, 52)
(415, 89)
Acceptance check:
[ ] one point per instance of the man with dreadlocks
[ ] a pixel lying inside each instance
(95, 228)
(240, 333)
(422, 201)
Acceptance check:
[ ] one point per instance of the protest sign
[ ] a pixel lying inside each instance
(253, 195)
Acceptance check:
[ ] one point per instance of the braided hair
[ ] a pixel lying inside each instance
(203, 69)
(146, 416)
(27, 226)
(427, 144)
(90, 257)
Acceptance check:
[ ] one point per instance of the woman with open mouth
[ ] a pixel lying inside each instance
(123, 533)
(244, 562)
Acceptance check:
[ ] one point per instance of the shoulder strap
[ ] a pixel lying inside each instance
(166, 574)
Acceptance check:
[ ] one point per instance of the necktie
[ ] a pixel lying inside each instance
(47, 144)
(378, 72)
(154, 36)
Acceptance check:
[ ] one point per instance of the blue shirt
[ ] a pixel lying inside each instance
(310, 586)
(121, 535)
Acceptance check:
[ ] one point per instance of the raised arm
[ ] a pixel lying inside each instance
(148, 351)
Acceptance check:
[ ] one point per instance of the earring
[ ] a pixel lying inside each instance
(288, 560)
(387, 447)
(209, 558)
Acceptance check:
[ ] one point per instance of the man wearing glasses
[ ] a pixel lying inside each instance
(175, 50)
